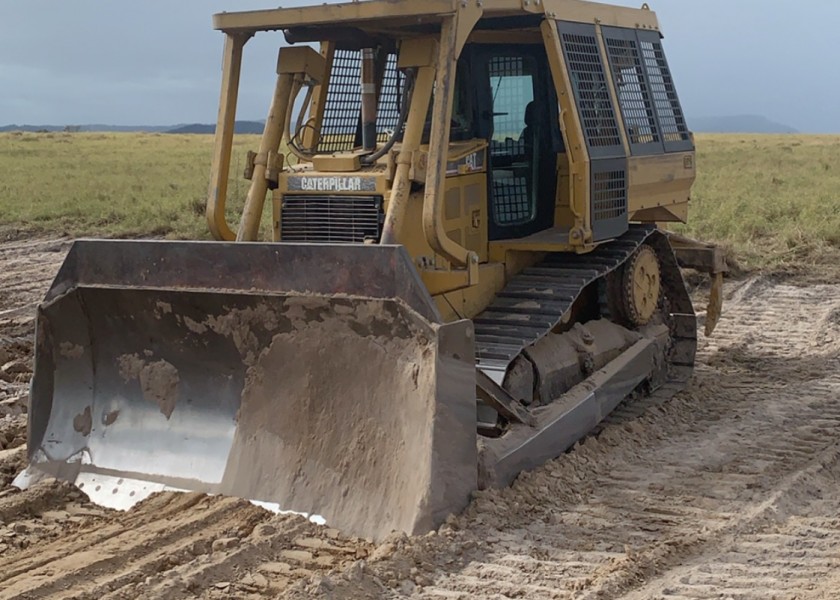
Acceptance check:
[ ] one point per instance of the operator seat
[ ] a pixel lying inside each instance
(528, 137)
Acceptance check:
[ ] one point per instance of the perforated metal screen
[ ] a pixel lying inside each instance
(648, 99)
(608, 162)
(590, 87)
(513, 187)
(390, 96)
(633, 91)
(668, 110)
(343, 107)
(608, 198)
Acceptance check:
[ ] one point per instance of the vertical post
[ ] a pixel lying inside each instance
(438, 149)
(249, 225)
(572, 129)
(415, 122)
(217, 193)
(312, 135)
(368, 86)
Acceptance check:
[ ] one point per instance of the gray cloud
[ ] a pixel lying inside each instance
(157, 62)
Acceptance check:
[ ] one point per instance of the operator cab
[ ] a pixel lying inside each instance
(504, 95)
(517, 112)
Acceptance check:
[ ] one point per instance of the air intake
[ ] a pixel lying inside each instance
(331, 219)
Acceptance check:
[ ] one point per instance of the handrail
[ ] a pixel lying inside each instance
(219, 172)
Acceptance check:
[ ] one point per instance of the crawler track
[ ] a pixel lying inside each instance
(537, 300)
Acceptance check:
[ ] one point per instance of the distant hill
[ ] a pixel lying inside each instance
(241, 127)
(738, 124)
(91, 127)
(726, 124)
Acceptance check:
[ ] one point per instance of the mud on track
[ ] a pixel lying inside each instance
(730, 489)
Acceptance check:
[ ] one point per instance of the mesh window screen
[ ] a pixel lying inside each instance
(668, 111)
(594, 102)
(589, 84)
(633, 92)
(511, 199)
(343, 107)
(344, 103)
(609, 198)
(512, 90)
(513, 186)
(390, 96)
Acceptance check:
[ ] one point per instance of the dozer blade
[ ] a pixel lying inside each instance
(317, 377)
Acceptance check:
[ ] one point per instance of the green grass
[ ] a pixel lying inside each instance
(117, 185)
(773, 201)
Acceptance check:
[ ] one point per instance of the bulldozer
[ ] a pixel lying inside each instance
(450, 266)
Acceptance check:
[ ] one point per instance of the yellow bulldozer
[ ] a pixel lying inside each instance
(463, 272)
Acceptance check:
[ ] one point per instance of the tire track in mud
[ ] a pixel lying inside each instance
(120, 549)
(170, 546)
(790, 354)
(751, 441)
(28, 268)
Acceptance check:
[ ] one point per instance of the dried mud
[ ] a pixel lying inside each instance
(727, 490)
(158, 380)
(321, 463)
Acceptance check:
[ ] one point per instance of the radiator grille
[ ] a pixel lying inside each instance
(609, 198)
(331, 219)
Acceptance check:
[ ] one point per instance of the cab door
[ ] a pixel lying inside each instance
(518, 116)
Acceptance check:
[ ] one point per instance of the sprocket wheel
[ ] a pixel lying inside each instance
(641, 286)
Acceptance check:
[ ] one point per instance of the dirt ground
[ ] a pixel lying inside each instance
(729, 490)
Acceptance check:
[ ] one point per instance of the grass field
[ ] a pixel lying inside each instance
(774, 201)
(114, 184)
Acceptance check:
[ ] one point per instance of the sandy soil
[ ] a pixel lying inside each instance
(26, 269)
(728, 490)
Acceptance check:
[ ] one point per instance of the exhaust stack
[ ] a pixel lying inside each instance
(368, 99)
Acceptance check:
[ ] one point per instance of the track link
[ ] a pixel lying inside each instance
(541, 297)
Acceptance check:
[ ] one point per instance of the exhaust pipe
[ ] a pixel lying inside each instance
(368, 99)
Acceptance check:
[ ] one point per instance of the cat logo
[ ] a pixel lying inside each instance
(332, 184)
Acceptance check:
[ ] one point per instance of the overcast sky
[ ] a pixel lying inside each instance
(157, 62)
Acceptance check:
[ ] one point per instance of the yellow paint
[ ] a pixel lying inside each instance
(435, 206)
